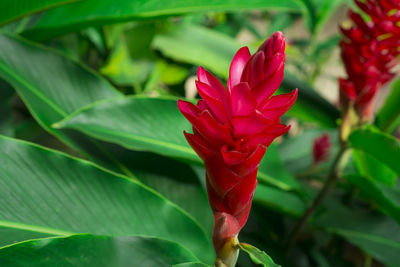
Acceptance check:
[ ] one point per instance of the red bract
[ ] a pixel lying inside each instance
(322, 148)
(369, 51)
(232, 129)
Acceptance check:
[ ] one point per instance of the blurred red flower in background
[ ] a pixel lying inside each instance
(232, 129)
(369, 50)
(321, 149)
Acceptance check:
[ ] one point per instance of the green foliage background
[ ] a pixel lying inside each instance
(95, 170)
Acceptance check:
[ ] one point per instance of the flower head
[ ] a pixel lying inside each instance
(321, 148)
(369, 51)
(232, 129)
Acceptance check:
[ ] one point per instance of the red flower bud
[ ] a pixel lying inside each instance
(369, 51)
(232, 129)
(322, 148)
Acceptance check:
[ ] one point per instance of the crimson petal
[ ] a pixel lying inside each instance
(277, 105)
(236, 69)
(242, 101)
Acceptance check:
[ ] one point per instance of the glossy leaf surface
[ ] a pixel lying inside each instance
(11, 10)
(379, 145)
(388, 117)
(94, 13)
(375, 234)
(51, 193)
(257, 256)
(387, 198)
(90, 250)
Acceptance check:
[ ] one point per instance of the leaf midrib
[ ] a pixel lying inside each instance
(128, 136)
(34, 228)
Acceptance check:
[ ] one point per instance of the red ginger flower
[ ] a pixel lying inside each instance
(232, 129)
(369, 51)
(322, 148)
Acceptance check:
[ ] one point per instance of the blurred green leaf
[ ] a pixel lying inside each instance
(191, 264)
(381, 146)
(387, 198)
(388, 117)
(318, 12)
(12, 10)
(164, 74)
(310, 106)
(149, 124)
(139, 36)
(257, 256)
(373, 168)
(123, 70)
(326, 45)
(176, 181)
(325, 12)
(280, 22)
(95, 13)
(309, 14)
(272, 167)
(96, 37)
(197, 45)
(214, 51)
(55, 194)
(6, 117)
(90, 250)
(172, 74)
(377, 235)
(278, 200)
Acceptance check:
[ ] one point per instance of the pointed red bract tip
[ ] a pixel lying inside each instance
(273, 45)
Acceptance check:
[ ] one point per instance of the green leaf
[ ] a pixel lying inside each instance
(176, 181)
(50, 96)
(12, 234)
(51, 193)
(373, 168)
(388, 117)
(272, 171)
(381, 146)
(318, 12)
(199, 46)
(387, 198)
(94, 13)
(310, 106)
(214, 51)
(257, 256)
(12, 10)
(140, 123)
(278, 200)
(191, 264)
(6, 116)
(121, 69)
(90, 250)
(151, 124)
(377, 235)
